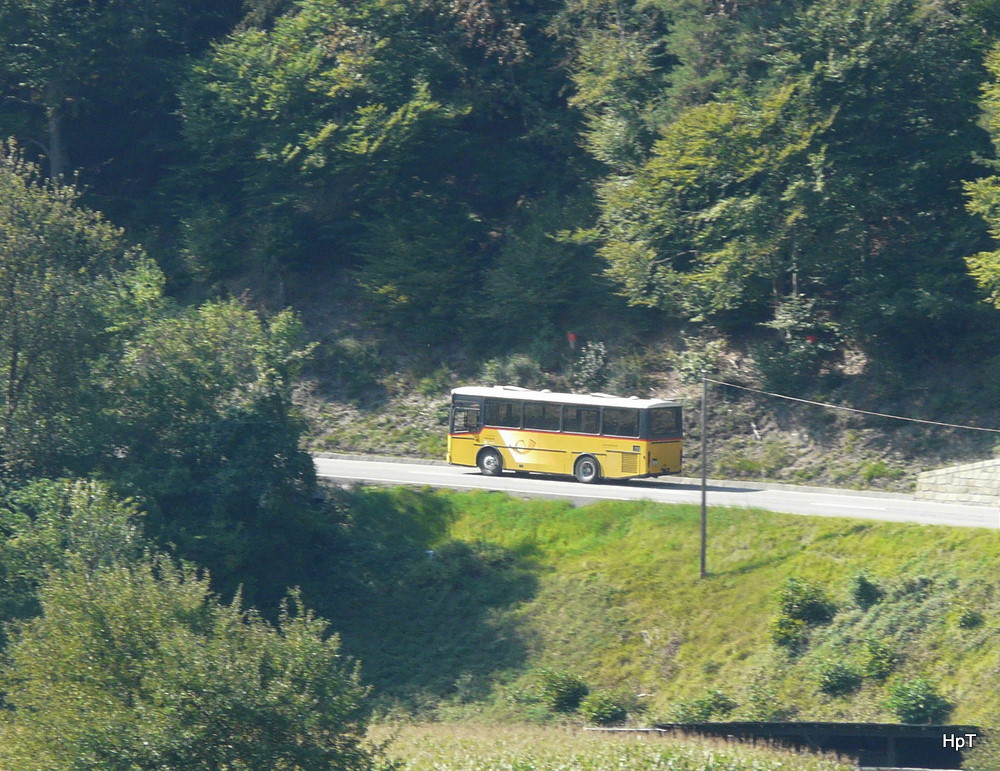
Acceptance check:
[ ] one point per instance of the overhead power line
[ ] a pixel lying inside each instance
(851, 409)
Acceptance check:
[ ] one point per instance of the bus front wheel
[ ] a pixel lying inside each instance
(490, 463)
(587, 470)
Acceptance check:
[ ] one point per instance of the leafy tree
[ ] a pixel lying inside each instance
(315, 113)
(71, 291)
(421, 268)
(139, 666)
(984, 194)
(48, 523)
(399, 140)
(189, 409)
(711, 220)
(92, 85)
(816, 150)
(208, 433)
(541, 274)
(620, 68)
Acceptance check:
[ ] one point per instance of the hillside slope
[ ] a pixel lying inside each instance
(473, 596)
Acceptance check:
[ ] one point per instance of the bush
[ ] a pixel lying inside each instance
(763, 703)
(753, 458)
(805, 601)
(699, 356)
(590, 371)
(628, 375)
(917, 702)
(354, 368)
(879, 469)
(563, 691)
(801, 604)
(878, 660)
(789, 633)
(140, 666)
(712, 705)
(806, 341)
(864, 591)
(518, 369)
(604, 708)
(836, 678)
(969, 618)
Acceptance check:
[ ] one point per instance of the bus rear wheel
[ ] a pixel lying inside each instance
(490, 463)
(587, 470)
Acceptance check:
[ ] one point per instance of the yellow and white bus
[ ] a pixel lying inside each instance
(590, 437)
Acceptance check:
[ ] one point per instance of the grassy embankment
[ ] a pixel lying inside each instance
(611, 593)
(524, 748)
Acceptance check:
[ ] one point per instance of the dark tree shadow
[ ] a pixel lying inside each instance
(423, 614)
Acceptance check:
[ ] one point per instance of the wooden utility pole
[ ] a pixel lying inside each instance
(704, 472)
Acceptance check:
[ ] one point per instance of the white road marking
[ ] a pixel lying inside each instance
(851, 506)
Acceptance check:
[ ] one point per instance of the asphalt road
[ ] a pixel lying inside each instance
(811, 501)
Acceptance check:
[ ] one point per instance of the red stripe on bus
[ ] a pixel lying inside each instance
(566, 433)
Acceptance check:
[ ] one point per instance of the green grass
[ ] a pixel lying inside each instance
(611, 593)
(524, 748)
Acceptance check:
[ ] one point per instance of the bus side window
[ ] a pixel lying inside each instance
(465, 420)
(503, 414)
(581, 420)
(541, 416)
(621, 421)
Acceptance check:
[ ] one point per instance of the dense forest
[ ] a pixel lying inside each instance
(190, 192)
(819, 168)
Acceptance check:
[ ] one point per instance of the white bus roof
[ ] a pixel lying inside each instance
(597, 400)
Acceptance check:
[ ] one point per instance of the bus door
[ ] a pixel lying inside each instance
(463, 431)
(620, 429)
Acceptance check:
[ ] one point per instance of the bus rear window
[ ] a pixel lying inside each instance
(664, 423)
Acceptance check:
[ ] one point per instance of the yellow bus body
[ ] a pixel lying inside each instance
(557, 452)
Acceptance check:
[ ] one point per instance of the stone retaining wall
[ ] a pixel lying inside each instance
(968, 483)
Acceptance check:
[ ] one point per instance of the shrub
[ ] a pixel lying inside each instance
(801, 604)
(140, 666)
(752, 458)
(590, 371)
(836, 678)
(436, 383)
(969, 618)
(806, 601)
(713, 704)
(763, 703)
(864, 591)
(604, 708)
(518, 369)
(878, 660)
(628, 375)
(917, 701)
(699, 356)
(879, 469)
(806, 340)
(789, 633)
(563, 691)
(353, 367)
